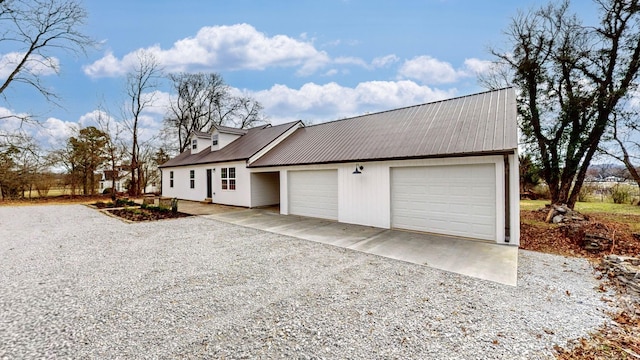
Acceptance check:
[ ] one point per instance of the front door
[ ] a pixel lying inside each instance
(209, 184)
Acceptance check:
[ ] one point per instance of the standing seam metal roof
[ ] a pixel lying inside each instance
(475, 124)
(242, 148)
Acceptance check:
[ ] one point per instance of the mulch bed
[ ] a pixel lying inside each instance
(139, 214)
(567, 240)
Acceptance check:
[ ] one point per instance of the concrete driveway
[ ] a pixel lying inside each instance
(498, 263)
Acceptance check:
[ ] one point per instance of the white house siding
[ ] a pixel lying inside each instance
(181, 189)
(265, 189)
(365, 199)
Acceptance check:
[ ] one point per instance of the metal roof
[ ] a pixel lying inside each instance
(483, 123)
(240, 149)
(235, 131)
(201, 134)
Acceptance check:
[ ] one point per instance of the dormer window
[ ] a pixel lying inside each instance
(194, 144)
(214, 140)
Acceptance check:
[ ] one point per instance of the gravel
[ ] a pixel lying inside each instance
(75, 283)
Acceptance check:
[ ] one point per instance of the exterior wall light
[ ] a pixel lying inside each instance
(359, 169)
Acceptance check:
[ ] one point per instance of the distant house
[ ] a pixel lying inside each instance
(447, 167)
(122, 174)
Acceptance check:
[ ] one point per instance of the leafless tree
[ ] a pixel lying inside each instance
(203, 101)
(34, 30)
(140, 85)
(571, 78)
(113, 147)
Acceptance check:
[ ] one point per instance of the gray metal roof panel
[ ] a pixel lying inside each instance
(240, 149)
(479, 123)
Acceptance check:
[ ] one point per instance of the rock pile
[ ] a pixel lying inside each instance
(625, 270)
(559, 214)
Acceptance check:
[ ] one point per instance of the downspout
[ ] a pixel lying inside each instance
(507, 201)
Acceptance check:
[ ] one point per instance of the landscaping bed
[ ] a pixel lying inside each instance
(146, 214)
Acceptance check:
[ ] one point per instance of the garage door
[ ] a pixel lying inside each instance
(455, 200)
(314, 193)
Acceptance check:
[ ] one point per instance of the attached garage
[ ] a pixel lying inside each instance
(457, 200)
(447, 167)
(314, 193)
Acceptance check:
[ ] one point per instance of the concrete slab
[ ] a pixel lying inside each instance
(492, 262)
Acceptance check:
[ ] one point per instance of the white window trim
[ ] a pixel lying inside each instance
(225, 177)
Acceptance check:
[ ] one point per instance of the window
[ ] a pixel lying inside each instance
(194, 144)
(214, 140)
(228, 177)
(192, 179)
(170, 178)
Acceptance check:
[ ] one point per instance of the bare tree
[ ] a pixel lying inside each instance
(113, 147)
(140, 83)
(624, 135)
(34, 30)
(572, 78)
(203, 101)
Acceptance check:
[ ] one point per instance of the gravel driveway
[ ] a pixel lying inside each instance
(76, 283)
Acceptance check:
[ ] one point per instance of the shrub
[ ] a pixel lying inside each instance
(587, 192)
(542, 190)
(106, 191)
(621, 194)
(125, 202)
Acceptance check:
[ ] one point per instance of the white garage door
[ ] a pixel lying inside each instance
(314, 193)
(456, 200)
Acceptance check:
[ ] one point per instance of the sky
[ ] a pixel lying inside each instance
(310, 60)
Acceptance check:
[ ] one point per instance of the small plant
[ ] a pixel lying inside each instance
(174, 205)
(125, 202)
(621, 194)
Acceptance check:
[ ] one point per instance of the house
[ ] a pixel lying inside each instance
(447, 167)
(122, 174)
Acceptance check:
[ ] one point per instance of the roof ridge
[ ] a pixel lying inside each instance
(412, 106)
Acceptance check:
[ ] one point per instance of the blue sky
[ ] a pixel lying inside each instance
(311, 60)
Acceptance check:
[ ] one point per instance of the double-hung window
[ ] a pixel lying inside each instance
(170, 178)
(194, 144)
(192, 179)
(228, 178)
(214, 140)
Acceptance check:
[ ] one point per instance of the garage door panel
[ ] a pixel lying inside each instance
(455, 200)
(314, 193)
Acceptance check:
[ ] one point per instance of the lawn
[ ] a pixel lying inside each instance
(603, 211)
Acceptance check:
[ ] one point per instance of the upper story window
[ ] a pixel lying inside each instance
(194, 144)
(228, 178)
(214, 140)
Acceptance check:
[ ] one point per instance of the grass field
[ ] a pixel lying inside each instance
(603, 211)
(587, 207)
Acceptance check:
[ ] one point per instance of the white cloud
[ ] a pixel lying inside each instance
(36, 64)
(384, 61)
(56, 132)
(477, 66)
(429, 70)
(313, 102)
(232, 47)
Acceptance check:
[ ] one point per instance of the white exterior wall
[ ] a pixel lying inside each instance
(365, 199)
(202, 144)
(225, 139)
(181, 189)
(265, 189)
